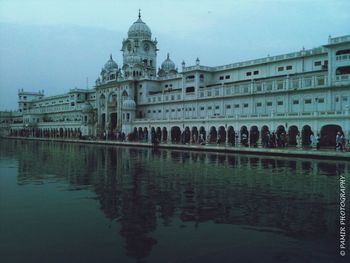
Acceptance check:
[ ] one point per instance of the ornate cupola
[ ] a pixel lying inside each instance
(139, 51)
(109, 72)
(167, 68)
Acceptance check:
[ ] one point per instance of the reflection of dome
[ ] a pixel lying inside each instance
(87, 108)
(139, 29)
(168, 64)
(110, 64)
(129, 104)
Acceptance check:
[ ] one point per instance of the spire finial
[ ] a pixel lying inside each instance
(167, 56)
(140, 13)
(110, 56)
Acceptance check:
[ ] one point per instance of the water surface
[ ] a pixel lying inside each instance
(64, 202)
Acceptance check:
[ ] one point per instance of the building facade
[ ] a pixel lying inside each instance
(298, 93)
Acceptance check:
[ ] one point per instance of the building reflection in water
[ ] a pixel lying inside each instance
(142, 188)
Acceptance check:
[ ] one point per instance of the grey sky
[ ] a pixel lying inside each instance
(56, 44)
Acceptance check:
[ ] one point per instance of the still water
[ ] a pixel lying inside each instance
(85, 203)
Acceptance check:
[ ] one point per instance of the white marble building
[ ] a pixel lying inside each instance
(299, 92)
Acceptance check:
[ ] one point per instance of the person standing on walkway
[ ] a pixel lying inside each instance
(273, 140)
(283, 139)
(195, 139)
(201, 139)
(342, 142)
(233, 138)
(218, 141)
(267, 140)
(298, 139)
(337, 141)
(318, 140)
(312, 140)
(244, 140)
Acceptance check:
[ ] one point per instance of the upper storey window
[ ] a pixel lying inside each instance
(256, 72)
(289, 67)
(343, 52)
(280, 68)
(343, 70)
(248, 73)
(190, 78)
(189, 89)
(319, 64)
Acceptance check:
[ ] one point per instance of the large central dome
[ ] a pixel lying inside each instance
(139, 29)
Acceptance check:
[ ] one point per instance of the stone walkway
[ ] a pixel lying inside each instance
(289, 151)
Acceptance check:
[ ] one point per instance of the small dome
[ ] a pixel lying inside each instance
(103, 71)
(168, 64)
(129, 104)
(139, 29)
(87, 107)
(111, 64)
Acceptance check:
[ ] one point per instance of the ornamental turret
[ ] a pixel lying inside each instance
(139, 51)
(109, 72)
(167, 68)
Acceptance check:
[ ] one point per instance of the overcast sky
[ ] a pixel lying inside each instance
(55, 45)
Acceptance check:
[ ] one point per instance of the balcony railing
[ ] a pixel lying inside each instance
(266, 86)
(336, 40)
(289, 115)
(345, 77)
(343, 57)
(251, 87)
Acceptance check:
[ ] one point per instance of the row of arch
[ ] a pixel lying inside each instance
(252, 136)
(47, 133)
(248, 136)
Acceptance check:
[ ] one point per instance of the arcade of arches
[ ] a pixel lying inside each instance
(47, 133)
(248, 136)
